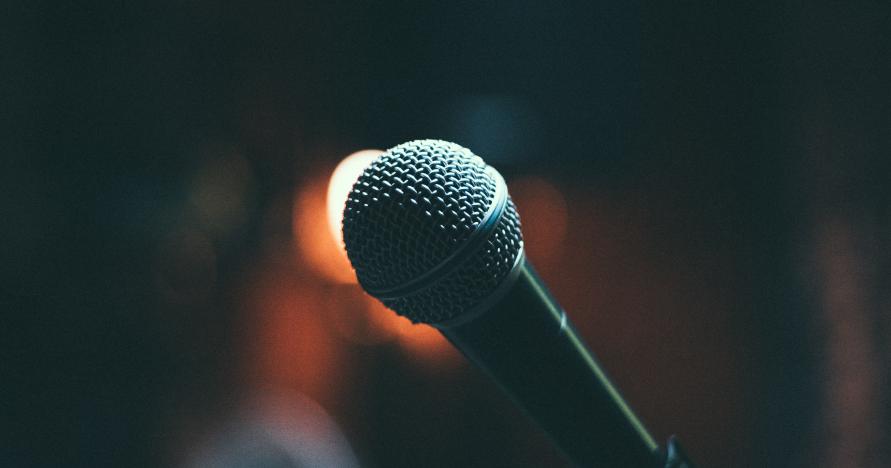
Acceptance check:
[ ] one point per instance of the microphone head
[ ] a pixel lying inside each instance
(431, 231)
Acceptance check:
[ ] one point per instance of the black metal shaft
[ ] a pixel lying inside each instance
(526, 342)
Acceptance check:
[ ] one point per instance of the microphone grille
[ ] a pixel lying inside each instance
(414, 207)
(459, 291)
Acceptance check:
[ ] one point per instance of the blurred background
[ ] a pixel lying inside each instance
(704, 187)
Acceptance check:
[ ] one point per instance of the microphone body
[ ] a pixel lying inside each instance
(526, 343)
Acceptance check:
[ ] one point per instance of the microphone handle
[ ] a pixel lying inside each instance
(526, 343)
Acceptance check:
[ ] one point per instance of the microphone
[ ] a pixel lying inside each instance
(431, 232)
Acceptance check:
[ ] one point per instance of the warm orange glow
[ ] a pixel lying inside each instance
(342, 179)
(544, 216)
(363, 319)
(317, 215)
(423, 343)
(427, 345)
(291, 347)
(359, 318)
(313, 239)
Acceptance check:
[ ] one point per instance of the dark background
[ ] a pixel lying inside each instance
(725, 170)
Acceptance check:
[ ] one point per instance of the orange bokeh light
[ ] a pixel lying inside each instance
(342, 180)
(354, 317)
(317, 214)
(362, 319)
(427, 345)
(290, 346)
(422, 342)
